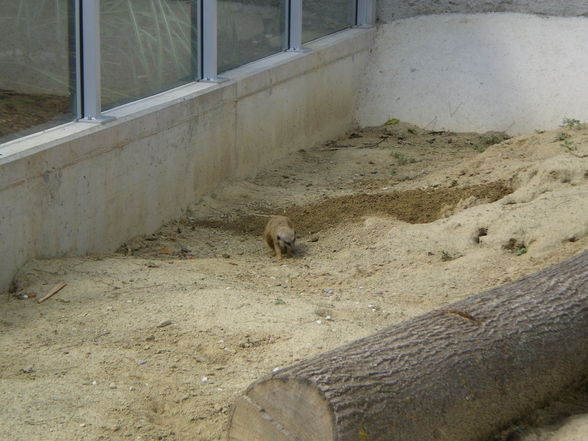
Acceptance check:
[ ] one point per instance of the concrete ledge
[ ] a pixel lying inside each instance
(511, 72)
(85, 188)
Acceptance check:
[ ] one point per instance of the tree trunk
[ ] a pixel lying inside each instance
(455, 374)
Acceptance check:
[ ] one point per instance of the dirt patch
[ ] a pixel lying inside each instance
(156, 340)
(412, 206)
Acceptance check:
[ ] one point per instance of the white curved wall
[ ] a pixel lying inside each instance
(390, 10)
(478, 72)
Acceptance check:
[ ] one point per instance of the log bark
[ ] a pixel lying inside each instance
(455, 374)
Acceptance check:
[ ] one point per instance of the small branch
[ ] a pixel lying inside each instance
(375, 144)
(53, 291)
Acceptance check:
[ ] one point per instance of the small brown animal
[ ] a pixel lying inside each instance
(280, 236)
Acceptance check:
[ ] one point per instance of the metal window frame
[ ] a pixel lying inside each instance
(204, 40)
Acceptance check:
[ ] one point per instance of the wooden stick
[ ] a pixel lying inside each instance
(53, 291)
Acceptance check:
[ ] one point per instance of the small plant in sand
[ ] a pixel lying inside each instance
(570, 123)
(402, 160)
(561, 136)
(445, 256)
(491, 140)
(569, 145)
(477, 147)
(486, 141)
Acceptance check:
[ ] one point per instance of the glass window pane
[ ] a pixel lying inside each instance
(147, 46)
(323, 17)
(249, 30)
(36, 59)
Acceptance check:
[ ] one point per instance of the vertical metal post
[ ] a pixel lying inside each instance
(195, 40)
(285, 25)
(90, 60)
(366, 13)
(295, 26)
(209, 40)
(75, 59)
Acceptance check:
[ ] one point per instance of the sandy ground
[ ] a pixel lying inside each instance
(155, 341)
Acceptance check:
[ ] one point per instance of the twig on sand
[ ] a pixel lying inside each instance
(52, 292)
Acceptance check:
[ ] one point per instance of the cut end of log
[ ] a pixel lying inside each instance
(281, 410)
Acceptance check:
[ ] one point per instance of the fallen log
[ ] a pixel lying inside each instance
(455, 374)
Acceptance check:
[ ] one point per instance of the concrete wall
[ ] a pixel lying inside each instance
(84, 188)
(478, 72)
(390, 10)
